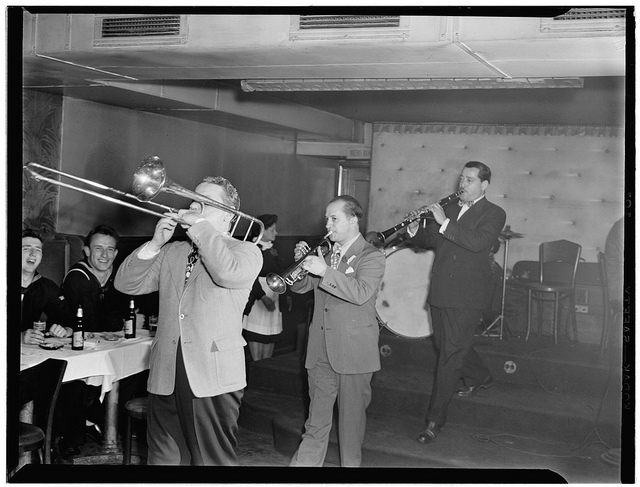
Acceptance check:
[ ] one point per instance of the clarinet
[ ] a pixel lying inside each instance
(383, 236)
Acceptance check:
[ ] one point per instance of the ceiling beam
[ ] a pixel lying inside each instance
(255, 106)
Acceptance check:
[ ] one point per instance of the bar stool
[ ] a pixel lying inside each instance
(136, 409)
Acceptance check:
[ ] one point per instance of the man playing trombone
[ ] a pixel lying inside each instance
(197, 365)
(342, 351)
(463, 236)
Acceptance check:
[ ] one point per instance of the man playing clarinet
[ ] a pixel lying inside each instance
(463, 236)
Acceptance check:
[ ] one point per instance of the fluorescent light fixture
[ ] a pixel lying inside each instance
(391, 84)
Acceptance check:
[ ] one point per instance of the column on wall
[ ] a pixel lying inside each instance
(41, 141)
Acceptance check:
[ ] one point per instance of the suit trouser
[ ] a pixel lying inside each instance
(353, 392)
(188, 430)
(453, 334)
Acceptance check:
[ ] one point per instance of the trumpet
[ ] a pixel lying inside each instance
(383, 236)
(149, 179)
(294, 273)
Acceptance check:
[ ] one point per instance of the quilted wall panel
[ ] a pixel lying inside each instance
(553, 182)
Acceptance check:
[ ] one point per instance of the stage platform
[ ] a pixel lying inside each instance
(555, 410)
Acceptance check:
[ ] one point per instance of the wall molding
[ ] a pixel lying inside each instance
(499, 129)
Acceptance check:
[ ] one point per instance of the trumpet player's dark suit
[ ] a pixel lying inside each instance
(342, 352)
(459, 277)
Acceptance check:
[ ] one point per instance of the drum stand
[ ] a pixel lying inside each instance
(506, 235)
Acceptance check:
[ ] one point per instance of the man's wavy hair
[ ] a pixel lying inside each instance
(484, 173)
(230, 196)
(102, 230)
(30, 232)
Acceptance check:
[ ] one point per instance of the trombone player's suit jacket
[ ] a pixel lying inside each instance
(205, 313)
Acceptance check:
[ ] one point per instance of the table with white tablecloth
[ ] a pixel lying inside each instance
(102, 363)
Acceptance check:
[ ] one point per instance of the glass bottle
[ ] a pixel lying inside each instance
(130, 322)
(77, 342)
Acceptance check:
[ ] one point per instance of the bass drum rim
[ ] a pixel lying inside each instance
(385, 324)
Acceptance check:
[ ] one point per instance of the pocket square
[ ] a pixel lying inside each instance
(349, 270)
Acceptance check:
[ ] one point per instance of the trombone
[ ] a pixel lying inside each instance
(149, 179)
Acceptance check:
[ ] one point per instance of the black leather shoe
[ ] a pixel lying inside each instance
(67, 449)
(430, 433)
(94, 433)
(471, 390)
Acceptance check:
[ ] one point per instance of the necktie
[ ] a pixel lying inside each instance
(462, 204)
(335, 256)
(191, 261)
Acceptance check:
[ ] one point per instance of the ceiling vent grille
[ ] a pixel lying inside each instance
(308, 22)
(587, 22)
(122, 30)
(323, 27)
(593, 14)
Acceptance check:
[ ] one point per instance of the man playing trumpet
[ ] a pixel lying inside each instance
(463, 236)
(342, 351)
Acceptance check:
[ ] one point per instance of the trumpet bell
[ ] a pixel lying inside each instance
(149, 178)
(276, 283)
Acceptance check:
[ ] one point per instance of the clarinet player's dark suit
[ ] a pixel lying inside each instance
(459, 276)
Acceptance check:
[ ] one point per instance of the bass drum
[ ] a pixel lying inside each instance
(403, 292)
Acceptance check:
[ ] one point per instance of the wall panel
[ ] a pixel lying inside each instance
(105, 144)
(553, 182)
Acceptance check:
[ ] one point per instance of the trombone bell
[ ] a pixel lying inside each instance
(149, 178)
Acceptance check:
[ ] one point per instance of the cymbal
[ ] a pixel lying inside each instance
(509, 234)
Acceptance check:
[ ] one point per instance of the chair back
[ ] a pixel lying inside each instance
(559, 262)
(41, 384)
(602, 264)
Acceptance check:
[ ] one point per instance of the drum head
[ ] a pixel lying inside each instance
(403, 292)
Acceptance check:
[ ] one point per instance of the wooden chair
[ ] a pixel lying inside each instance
(558, 264)
(136, 409)
(611, 309)
(40, 384)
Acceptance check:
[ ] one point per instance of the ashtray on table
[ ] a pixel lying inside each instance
(51, 345)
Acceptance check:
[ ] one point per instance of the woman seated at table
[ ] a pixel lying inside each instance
(40, 299)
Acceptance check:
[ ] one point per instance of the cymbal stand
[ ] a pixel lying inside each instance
(504, 287)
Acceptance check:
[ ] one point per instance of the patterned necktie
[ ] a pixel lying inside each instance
(335, 256)
(465, 203)
(191, 261)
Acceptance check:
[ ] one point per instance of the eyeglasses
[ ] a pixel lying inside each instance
(197, 206)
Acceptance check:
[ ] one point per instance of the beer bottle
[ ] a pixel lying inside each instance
(77, 342)
(130, 322)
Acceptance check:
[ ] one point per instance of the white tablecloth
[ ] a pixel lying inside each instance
(109, 362)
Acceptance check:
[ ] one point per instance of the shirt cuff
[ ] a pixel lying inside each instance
(443, 227)
(146, 254)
